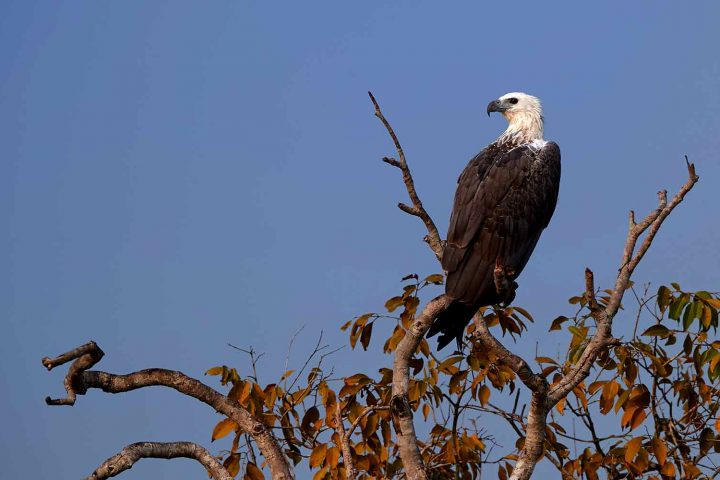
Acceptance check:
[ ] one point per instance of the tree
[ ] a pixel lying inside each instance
(658, 388)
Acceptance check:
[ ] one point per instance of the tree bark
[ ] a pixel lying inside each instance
(130, 455)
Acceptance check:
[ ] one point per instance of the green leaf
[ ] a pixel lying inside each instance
(657, 331)
(577, 331)
(663, 298)
(677, 305)
(435, 278)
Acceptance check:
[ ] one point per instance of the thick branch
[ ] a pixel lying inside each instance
(534, 382)
(532, 451)
(132, 453)
(400, 406)
(417, 209)
(535, 430)
(79, 380)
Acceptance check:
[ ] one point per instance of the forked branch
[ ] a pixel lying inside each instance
(630, 260)
(400, 406)
(433, 237)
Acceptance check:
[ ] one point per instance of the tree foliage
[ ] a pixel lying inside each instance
(648, 410)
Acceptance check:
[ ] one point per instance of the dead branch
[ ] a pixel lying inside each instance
(87, 355)
(433, 237)
(79, 380)
(400, 406)
(630, 260)
(129, 455)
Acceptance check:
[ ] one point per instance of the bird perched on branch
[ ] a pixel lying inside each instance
(504, 200)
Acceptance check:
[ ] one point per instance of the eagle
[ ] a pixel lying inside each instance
(505, 198)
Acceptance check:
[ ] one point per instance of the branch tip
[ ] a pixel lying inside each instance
(391, 161)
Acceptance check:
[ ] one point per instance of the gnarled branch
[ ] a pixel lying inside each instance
(129, 455)
(433, 237)
(79, 380)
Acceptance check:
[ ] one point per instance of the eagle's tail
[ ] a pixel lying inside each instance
(451, 324)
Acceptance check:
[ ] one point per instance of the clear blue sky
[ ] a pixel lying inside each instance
(179, 175)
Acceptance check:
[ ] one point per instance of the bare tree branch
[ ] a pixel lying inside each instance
(433, 237)
(79, 380)
(129, 455)
(630, 260)
(400, 406)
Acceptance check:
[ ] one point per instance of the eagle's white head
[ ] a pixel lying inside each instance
(524, 115)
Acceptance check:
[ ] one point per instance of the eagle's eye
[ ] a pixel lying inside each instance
(513, 100)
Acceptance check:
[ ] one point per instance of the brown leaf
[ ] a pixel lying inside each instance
(668, 470)
(393, 303)
(214, 371)
(252, 472)
(632, 448)
(484, 395)
(232, 464)
(223, 428)
(638, 418)
(660, 450)
(333, 455)
(595, 386)
(366, 334)
(318, 455)
(311, 416)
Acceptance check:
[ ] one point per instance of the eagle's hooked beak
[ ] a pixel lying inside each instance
(495, 106)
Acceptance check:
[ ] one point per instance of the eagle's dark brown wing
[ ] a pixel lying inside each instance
(504, 199)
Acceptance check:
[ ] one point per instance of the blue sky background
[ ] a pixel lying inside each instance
(179, 175)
